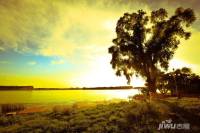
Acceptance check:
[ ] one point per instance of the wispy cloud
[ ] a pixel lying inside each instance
(32, 63)
(4, 62)
(57, 62)
(58, 28)
(2, 49)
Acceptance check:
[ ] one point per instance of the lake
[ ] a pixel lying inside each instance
(62, 96)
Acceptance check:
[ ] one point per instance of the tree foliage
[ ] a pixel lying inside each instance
(145, 43)
(181, 79)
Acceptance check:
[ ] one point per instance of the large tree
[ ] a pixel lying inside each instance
(145, 43)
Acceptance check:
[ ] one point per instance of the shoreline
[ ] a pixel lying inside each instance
(31, 88)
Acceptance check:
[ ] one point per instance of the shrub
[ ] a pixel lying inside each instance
(62, 109)
(6, 108)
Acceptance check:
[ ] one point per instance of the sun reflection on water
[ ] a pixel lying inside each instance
(118, 94)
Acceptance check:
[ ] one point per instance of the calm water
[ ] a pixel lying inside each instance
(63, 96)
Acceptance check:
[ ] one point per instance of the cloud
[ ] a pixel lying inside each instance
(58, 28)
(64, 28)
(79, 31)
(24, 25)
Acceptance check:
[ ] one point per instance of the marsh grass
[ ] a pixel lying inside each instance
(135, 116)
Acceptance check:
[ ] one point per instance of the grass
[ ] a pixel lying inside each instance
(135, 116)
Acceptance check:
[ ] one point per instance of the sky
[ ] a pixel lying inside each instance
(64, 43)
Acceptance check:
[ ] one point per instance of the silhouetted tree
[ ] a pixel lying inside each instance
(179, 81)
(145, 44)
(195, 83)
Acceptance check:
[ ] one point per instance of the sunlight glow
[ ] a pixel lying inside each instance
(138, 82)
(121, 94)
(175, 63)
(109, 24)
(103, 75)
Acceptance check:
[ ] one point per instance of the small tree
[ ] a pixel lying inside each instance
(145, 44)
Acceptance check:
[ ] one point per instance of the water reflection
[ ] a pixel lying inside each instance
(63, 96)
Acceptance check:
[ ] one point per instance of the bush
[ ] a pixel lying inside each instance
(6, 108)
(62, 109)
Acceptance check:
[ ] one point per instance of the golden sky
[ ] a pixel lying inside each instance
(63, 43)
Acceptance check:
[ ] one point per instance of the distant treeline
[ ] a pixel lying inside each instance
(77, 88)
(109, 88)
(180, 82)
(88, 88)
(16, 87)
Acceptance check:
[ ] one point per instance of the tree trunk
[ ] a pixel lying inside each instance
(151, 84)
(151, 74)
